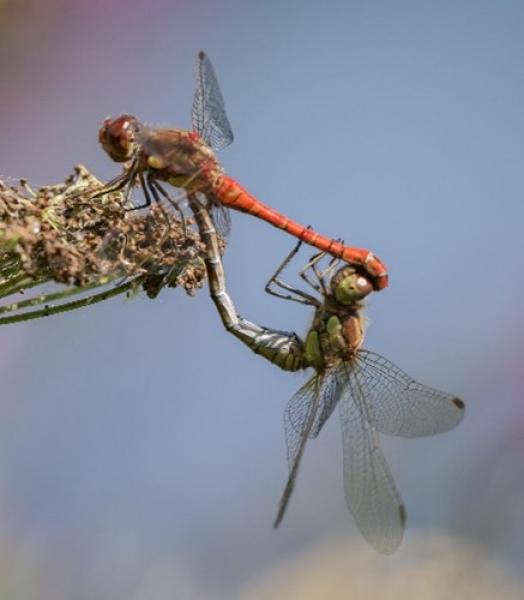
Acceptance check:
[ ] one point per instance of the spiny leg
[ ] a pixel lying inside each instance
(146, 188)
(147, 196)
(328, 271)
(157, 189)
(118, 183)
(320, 275)
(133, 172)
(319, 287)
(299, 295)
(115, 185)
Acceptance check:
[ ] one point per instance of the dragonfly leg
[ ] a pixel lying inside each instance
(118, 183)
(320, 274)
(288, 259)
(310, 266)
(299, 295)
(143, 185)
(328, 271)
(147, 195)
(157, 189)
(147, 187)
(112, 186)
(132, 176)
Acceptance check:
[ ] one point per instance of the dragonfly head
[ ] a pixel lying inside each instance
(349, 286)
(118, 137)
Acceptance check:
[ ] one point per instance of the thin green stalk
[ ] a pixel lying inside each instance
(46, 298)
(19, 284)
(69, 306)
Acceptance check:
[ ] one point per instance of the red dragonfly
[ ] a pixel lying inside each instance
(187, 159)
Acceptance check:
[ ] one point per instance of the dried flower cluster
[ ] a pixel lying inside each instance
(66, 234)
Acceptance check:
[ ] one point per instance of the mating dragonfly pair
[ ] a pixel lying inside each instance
(373, 395)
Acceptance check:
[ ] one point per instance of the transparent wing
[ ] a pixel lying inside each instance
(298, 428)
(399, 405)
(371, 494)
(221, 219)
(209, 114)
(299, 407)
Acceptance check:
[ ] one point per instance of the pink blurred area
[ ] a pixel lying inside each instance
(141, 449)
(60, 62)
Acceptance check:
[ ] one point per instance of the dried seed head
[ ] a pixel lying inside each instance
(61, 233)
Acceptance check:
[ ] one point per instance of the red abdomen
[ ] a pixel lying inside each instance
(233, 195)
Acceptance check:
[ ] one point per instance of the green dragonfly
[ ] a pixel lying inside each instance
(372, 394)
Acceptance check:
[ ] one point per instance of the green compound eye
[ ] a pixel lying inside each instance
(350, 287)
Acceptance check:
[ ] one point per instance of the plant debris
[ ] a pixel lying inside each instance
(66, 234)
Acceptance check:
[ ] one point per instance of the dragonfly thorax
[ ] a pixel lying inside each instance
(180, 157)
(337, 331)
(333, 337)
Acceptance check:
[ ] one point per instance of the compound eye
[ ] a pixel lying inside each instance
(363, 285)
(349, 287)
(117, 137)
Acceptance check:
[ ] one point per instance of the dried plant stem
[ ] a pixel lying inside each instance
(49, 310)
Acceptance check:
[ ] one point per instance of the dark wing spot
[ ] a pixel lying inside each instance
(459, 403)
(402, 513)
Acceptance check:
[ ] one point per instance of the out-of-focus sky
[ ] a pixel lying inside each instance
(141, 448)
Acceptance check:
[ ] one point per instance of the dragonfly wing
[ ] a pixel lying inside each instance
(298, 429)
(371, 493)
(209, 114)
(299, 407)
(221, 219)
(401, 406)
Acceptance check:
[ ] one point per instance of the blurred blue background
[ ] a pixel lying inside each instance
(141, 448)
